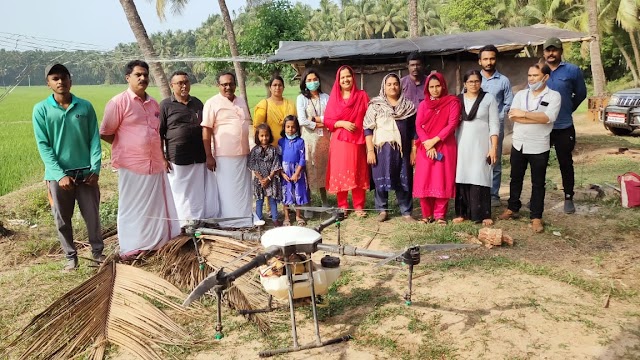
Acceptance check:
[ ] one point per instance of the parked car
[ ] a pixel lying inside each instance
(622, 115)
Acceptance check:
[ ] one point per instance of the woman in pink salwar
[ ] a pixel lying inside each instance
(435, 150)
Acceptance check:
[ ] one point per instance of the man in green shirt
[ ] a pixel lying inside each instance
(66, 131)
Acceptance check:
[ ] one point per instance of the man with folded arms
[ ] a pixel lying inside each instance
(533, 112)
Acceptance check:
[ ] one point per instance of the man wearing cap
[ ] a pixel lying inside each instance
(66, 131)
(147, 216)
(566, 79)
(192, 185)
(499, 86)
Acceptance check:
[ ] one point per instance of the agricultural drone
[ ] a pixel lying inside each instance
(287, 271)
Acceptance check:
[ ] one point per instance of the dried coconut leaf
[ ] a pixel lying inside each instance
(106, 308)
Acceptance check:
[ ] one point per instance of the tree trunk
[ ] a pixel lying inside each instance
(146, 46)
(413, 18)
(629, 61)
(231, 36)
(634, 46)
(597, 70)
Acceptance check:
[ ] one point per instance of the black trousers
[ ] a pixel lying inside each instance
(519, 163)
(564, 140)
(473, 202)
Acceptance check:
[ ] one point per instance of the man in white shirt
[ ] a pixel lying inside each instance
(533, 112)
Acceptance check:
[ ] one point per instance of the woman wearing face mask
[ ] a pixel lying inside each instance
(477, 139)
(389, 128)
(311, 106)
(436, 154)
(274, 109)
(347, 168)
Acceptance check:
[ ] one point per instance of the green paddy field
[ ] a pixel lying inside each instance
(20, 163)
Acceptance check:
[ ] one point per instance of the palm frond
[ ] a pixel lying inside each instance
(179, 265)
(114, 307)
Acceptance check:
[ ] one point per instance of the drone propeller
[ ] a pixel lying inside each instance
(428, 247)
(331, 209)
(214, 279)
(205, 220)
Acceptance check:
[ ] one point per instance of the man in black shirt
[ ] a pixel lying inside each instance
(194, 188)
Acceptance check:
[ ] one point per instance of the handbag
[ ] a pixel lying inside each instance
(629, 189)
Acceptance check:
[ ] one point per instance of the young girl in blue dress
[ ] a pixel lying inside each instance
(294, 184)
(264, 163)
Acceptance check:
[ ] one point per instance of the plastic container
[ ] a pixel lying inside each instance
(322, 280)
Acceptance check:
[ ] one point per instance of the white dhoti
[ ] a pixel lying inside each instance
(195, 192)
(146, 212)
(234, 190)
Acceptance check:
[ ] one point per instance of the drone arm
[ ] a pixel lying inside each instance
(258, 260)
(238, 235)
(332, 220)
(221, 280)
(353, 251)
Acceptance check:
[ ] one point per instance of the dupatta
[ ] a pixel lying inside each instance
(352, 109)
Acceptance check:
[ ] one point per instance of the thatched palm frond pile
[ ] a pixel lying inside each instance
(111, 307)
(179, 265)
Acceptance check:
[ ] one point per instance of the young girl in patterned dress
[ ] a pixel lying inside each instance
(264, 162)
(294, 186)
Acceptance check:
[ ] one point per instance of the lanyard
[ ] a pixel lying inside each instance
(314, 106)
(527, 102)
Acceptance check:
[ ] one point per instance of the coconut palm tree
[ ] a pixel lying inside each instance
(233, 46)
(140, 33)
(413, 19)
(597, 70)
(392, 18)
(363, 19)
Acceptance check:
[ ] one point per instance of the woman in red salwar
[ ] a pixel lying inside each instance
(436, 151)
(347, 167)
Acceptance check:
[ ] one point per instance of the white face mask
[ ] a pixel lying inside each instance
(537, 86)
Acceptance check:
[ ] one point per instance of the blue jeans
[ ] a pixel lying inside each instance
(497, 167)
(274, 208)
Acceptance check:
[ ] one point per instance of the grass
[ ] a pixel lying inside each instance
(20, 162)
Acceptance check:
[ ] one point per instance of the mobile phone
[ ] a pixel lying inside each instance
(489, 160)
(439, 156)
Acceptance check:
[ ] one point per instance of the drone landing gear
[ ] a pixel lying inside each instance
(294, 332)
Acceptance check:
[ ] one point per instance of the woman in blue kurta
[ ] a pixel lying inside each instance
(389, 128)
(294, 186)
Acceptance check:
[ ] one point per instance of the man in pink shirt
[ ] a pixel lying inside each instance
(146, 211)
(225, 122)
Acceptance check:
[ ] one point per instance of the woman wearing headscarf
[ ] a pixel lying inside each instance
(477, 139)
(347, 167)
(436, 154)
(311, 105)
(389, 129)
(274, 109)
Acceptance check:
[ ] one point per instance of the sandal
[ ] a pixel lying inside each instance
(487, 222)
(361, 213)
(441, 222)
(286, 222)
(428, 220)
(301, 222)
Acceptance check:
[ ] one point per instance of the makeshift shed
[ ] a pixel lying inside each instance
(451, 54)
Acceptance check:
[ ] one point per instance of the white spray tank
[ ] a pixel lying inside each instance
(296, 239)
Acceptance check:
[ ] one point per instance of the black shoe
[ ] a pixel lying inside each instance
(569, 207)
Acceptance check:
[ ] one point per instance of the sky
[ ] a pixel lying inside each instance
(93, 24)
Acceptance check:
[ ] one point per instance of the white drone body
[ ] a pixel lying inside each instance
(296, 239)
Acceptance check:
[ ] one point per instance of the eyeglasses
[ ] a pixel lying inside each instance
(227, 85)
(473, 82)
(181, 83)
